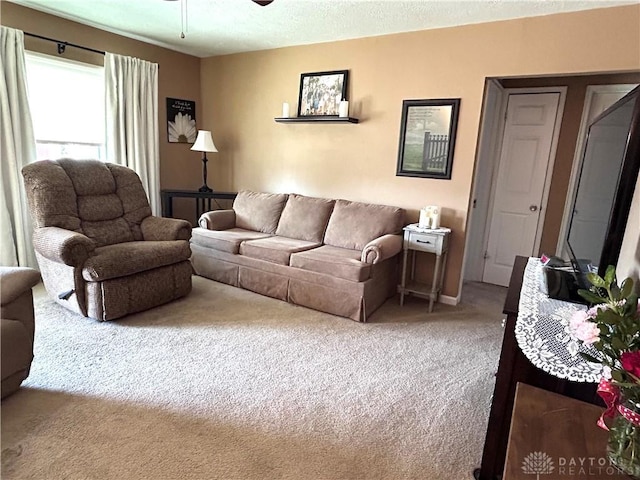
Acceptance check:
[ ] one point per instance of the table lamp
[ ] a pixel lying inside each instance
(204, 144)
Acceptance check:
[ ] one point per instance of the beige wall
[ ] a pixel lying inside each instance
(179, 77)
(238, 95)
(242, 93)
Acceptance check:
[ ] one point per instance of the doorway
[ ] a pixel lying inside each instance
(522, 157)
(492, 127)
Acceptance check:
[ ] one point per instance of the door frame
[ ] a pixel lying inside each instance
(581, 141)
(489, 161)
(490, 134)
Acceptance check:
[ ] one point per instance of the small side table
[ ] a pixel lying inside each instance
(167, 197)
(434, 241)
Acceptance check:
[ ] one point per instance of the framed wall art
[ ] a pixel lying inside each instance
(181, 120)
(321, 93)
(427, 138)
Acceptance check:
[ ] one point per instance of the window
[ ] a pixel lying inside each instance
(66, 99)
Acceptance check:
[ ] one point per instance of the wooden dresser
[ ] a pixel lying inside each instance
(559, 430)
(514, 367)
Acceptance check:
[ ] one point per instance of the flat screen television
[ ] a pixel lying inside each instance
(605, 188)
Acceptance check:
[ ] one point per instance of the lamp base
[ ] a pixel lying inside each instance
(205, 189)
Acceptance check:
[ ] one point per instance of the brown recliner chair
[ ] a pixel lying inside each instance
(100, 251)
(16, 325)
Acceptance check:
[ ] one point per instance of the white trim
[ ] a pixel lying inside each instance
(449, 300)
(489, 142)
(552, 151)
(579, 152)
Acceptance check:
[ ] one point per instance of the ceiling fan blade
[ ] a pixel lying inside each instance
(262, 3)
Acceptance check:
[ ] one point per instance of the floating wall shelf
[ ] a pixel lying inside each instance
(326, 119)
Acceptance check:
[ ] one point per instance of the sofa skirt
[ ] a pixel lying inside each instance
(337, 296)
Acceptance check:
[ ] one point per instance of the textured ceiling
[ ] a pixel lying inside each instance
(216, 27)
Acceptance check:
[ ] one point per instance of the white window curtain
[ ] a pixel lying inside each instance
(18, 149)
(132, 119)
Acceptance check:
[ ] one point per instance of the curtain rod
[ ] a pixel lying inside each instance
(62, 45)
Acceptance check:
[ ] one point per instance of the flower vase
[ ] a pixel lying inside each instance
(623, 448)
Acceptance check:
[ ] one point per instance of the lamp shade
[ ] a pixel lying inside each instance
(204, 142)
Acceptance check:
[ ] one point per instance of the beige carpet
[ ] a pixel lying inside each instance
(227, 384)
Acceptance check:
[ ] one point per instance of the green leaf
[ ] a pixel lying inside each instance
(626, 385)
(627, 287)
(617, 344)
(591, 297)
(596, 280)
(615, 292)
(589, 358)
(617, 376)
(609, 317)
(610, 275)
(632, 305)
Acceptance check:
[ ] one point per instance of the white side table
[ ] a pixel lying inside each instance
(434, 241)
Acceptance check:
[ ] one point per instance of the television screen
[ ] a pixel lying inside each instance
(605, 187)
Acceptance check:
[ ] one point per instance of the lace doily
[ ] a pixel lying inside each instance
(542, 331)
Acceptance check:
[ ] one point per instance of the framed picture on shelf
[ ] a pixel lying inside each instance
(427, 138)
(321, 93)
(181, 120)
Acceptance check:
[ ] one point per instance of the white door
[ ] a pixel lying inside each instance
(524, 160)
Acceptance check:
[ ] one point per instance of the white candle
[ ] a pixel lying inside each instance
(285, 110)
(343, 109)
(425, 219)
(435, 217)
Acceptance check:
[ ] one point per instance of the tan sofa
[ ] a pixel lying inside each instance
(17, 325)
(335, 256)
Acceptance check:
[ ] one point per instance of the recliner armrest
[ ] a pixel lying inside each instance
(63, 246)
(14, 281)
(162, 229)
(381, 248)
(218, 220)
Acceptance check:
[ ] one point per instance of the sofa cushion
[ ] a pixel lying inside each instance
(224, 240)
(258, 211)
(305, 218)
(127, 258)
(275, 249)
(352, 224)
(339, 262)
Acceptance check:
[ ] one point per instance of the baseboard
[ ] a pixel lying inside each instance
(447, 300)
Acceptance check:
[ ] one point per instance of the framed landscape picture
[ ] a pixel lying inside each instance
(427, 138)
(321, 93)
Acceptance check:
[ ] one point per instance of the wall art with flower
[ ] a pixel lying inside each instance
(181, 120)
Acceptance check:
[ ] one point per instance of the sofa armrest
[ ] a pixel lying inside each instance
(14, 281)
(381, 248)
(218, 220)
(63, 246)
(162, 229)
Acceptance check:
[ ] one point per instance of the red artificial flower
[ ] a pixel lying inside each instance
(631, 362)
